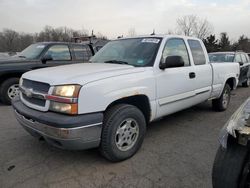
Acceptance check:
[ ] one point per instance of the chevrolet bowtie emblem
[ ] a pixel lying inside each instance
(28, 92)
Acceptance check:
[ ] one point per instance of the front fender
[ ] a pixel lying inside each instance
(97, 96)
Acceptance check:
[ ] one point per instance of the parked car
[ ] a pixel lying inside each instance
(231, 167)
(129, 83)
(239, 57)
(39, 55)
(248, 55)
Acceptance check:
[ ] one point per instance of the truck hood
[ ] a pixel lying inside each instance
(80, 73)
(15, 61)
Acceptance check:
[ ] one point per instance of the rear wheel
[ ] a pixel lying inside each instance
(246, 83)
(123, 132)
(222, 103)
(231, 167)
(9, 90)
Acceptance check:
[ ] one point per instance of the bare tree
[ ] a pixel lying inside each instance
(187, 24)
(8, 39)
(131, 32)
(203, 28)
(191, 25)
(99, 35)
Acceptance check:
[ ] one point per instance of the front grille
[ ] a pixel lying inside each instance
(38, 102)
(36, 86)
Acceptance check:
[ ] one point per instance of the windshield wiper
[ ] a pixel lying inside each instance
(117, 62)
(22, 56)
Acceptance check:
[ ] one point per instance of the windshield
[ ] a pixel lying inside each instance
(32, 51)
(139, 52)
(220, 57)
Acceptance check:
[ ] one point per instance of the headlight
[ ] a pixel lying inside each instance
(66, 91)
(64, 108)
(64, 99)
(237, 122)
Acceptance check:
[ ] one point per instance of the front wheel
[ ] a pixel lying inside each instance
(222, 103)
(231, 167)
(9, 90)
(123, 132)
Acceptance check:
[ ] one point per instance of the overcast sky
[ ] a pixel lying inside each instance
(116, 17)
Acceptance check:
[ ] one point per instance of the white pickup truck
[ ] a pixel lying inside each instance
(129, 83)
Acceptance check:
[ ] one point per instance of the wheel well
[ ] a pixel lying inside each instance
(140, 101)
(11, 75)
(231, 82)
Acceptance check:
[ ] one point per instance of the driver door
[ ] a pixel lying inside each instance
(175, 86)
(60, 55)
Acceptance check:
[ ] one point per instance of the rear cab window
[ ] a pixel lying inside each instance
(244, 58)
(221, 57)
(82, 52)
(197, 52)
(238, 58)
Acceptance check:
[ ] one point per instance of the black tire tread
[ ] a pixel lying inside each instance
(217, 103)
(3, 89)
(108, 119)
(228, 165)
(244, 84)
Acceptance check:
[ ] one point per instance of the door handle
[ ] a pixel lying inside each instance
(191, 75)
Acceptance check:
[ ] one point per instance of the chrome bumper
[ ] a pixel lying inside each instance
(84, 137)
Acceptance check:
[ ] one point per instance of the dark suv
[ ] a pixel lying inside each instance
(35, 56)
(239, 57)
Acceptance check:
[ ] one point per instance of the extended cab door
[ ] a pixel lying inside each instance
(60, 55)
(202, 69)
(82, 53)
(175, 86)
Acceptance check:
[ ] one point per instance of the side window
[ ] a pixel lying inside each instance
(238, 58)
(59, 52)
(248, 58)
(81, 52)
(197, 52)
(176, 47)
(244, 58)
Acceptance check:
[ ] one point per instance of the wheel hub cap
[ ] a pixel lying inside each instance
(127, 134)
(225, 98)
(13, 91)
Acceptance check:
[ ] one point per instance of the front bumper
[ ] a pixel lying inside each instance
(63, 131)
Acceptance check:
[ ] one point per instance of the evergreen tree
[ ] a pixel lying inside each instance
(211, 43)
(224, 43)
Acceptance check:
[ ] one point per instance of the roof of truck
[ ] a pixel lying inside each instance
(161, 36)
(226, 52)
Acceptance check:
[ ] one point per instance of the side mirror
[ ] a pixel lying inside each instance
(171, 62)
(241, 63)
(46, 58)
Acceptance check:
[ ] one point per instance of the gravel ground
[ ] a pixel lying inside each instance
(178, 151)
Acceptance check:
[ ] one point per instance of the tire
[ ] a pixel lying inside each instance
(222, 103)
(9, 85)
(114, 132)
(229, 165)
(246, 83)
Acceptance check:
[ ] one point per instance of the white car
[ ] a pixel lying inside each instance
(129, 83)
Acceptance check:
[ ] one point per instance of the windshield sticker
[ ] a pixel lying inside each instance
(40, 46)
(140, 61)
(151, 40)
